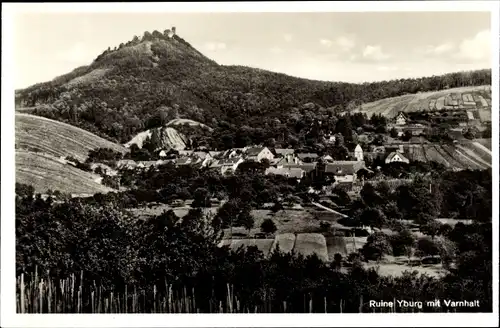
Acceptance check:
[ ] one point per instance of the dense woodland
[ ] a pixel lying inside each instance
(144, 88)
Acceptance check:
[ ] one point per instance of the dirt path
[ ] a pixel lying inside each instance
(329, 209)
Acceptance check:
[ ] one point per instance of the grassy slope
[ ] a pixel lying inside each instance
(45, 172)
(57, 139)
(426, 101)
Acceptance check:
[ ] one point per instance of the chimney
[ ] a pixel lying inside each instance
(173, 29)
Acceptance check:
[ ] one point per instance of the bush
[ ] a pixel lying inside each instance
(426, 247)
(376, 246)
(268, 226)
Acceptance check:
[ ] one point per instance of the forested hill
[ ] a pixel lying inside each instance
(149, 81)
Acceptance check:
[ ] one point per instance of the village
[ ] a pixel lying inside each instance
(404, 143)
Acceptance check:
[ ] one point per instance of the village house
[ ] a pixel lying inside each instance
(326, 158)
(227, 166)
(146, 164)
(330, 138)
(232, 153)
(310, 169)
(214, 154)
(126, 163)
(396, 156)
(183, 161)
(202, 158)
(305, 157)
(401, 119)
(289, 172)
(257, 154)
(289, 159)
(185, 152)
(415, 129)
(283, 152)
(343, 171)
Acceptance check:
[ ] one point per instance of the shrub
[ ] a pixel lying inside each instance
(268, 226)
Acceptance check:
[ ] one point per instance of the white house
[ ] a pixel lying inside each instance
(401, 119)
(396, 156)
(358, 153)
(259, 153)
(232, 153)
(227, 166)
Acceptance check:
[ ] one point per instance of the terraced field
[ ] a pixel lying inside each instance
(474, 155)
(45, 172)
(473, 98)
(39, 134)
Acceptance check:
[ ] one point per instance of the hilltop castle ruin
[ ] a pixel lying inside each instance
(169, 32)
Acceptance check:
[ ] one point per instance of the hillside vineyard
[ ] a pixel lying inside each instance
(156, 180)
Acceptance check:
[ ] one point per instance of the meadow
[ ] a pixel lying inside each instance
(42, 135)
(45, 172)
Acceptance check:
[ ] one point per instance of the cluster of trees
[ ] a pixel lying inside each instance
(103, 155)
(465, 195)
(168, 182)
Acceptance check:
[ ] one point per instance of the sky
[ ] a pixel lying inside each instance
(340, 46)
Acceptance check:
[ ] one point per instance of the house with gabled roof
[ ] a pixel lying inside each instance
(401, 119)
(283, 152)
(258, 153)
(343, 171)
(185, 160)
(126, 163)
(396, 157)
(307, 156)
(296, 173)
(288, 160)
(227, 165)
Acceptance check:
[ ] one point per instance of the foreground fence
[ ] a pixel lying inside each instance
(69, 296)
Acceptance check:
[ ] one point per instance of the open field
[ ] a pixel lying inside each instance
(285, 242)
(302, 243)
(396, 269)
(436, 100)
(336, 245)
(45, 172)
(39, 134)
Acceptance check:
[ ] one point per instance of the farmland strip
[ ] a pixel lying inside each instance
(448, 157)
(474, 156)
